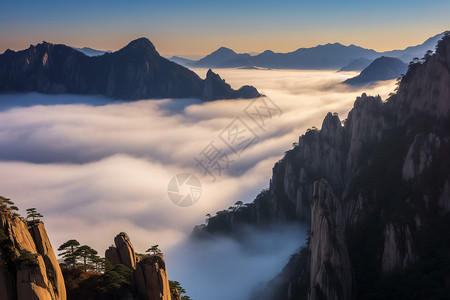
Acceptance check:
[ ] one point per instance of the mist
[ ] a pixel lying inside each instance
(224, 268)
(95, 167)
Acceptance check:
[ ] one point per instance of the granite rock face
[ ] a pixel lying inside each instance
(28, 265)
(149, 280)
(331, 272)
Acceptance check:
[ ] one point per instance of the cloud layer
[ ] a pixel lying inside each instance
(95, 168)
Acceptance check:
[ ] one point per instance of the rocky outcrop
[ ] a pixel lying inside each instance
(123, 252)
(28, 265)
(425, 89)
(136, 71)
(216, 88)
(43, 246)
(331, 272)
(149, 280)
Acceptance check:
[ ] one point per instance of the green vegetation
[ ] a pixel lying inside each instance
(34, 215)
(27, 258)
(114, 282)
(175, 285)
(72, 253)
(154, 250)
(68, 253)
(7, 204)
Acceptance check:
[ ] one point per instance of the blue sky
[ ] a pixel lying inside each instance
(200, 26)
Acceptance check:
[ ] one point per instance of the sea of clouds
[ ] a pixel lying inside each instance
(95, 167)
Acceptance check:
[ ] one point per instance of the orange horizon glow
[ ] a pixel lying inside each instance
(178, 44)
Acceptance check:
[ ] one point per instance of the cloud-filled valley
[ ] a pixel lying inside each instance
(95, 168)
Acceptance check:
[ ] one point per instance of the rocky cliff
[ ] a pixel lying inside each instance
(149, 280)
(28, 265)
(123, 252)
(375, 186)
(136, 71)
(331, 273)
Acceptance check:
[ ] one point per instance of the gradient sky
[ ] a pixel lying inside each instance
(201, 26)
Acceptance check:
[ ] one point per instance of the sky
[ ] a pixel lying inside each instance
(198, 27)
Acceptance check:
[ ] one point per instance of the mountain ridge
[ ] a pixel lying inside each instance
(136, 71)
(327, 56)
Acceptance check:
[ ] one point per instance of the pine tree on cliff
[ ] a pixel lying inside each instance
(6, 203)
(154, 250)
(69, 248)
(34, 215)
(86, 253)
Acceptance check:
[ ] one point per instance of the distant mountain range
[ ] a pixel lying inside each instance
(92, 52)
(356, 65)
(136, 71)
(382, 68)
(330, 56)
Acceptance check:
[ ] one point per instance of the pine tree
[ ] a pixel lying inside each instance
(154, 250)
(33, 214)
(86, 253)
(69, 249)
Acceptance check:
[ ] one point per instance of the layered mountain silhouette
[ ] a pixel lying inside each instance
(91, 52)
(382, 68)
(136, 71)
(330, 56)
(375, 191)
(356, 65)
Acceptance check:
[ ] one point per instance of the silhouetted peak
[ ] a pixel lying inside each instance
(211, 75)
(334, 45)
(268, 52)
(141, 44)
(8, 52)
(224, 50)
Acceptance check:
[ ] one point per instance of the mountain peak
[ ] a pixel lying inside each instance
(224, 50)
(382, 68)
(141, 43)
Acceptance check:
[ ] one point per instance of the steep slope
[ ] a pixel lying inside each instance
(136, 71)
(375, 187)
(28, 265)
(382, 68)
